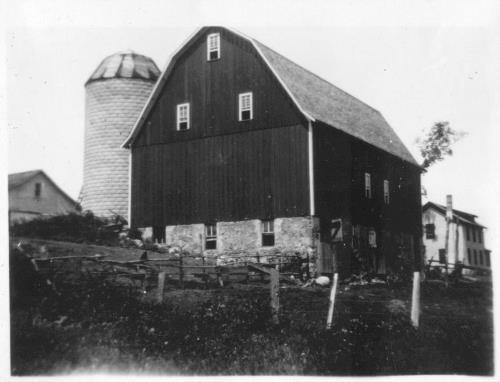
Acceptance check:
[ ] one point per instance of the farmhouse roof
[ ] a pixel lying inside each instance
(464, 217)
(315, 97)
(19, 178)
(127, 64)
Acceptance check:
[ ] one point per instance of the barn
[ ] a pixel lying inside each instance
(240, 149)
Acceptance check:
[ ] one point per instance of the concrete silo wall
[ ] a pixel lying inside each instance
(112, 107)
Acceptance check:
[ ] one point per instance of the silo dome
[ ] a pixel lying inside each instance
(115, 94)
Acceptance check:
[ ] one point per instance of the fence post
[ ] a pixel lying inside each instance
(415, 299)
(274, 289)
(219, 277)
(181, 270)
(161, 285)
(333, 293)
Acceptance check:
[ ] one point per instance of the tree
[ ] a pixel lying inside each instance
(436, 143)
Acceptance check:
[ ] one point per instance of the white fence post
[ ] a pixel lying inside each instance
(415, 300)
(333, 293)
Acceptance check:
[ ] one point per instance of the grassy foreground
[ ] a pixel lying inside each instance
(96, 326)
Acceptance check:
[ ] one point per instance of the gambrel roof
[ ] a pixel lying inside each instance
(316, 99)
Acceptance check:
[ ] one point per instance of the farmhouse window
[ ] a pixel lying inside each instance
(245, 106)
(467, 232)
(481, 257)
(38, 190)
(213, 46)
(210, 236)
(442, 256)
(474, 235)
(368, 185)
(430, 231)
(487, 256)
(480, 235)
(469, 257)
(268, 233)
(386, 191)
(183, 116)
(475, 257)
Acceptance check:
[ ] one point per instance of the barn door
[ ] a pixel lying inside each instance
(331, 247)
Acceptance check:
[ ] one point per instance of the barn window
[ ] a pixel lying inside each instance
(159, 234)
(368, 185)
(245, 107)
(38, 190)
(183, 116)
(213, 46)
(430, 231)
(268, 233)
(210, 236)
(386, 191)
(469, 257)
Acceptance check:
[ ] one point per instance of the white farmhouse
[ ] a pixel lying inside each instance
(465, 242)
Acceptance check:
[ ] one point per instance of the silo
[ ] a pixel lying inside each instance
(114, 96)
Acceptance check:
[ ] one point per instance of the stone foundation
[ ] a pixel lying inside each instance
(295, 235)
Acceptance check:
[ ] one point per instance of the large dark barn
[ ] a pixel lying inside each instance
(240, 149)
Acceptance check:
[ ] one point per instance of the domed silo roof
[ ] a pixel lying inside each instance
(127, 64)
(115, 94)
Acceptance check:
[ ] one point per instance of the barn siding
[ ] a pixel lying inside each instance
(253, 175)
(212, 88)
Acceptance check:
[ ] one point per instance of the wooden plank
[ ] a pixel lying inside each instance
(333, 293)
(415, 300)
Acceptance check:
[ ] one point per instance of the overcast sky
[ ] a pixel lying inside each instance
(416, 63)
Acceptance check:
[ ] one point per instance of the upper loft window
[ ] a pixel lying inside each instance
(183, 116)
(268, 233)
(210, 236)
(245, 106)
(368, 185)
(38, 190)
(386, 191)
(430, 231)
(213, 46)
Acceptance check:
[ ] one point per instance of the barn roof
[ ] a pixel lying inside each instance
(126, 64)
(464, 217)
(315, 97)
(19, 178)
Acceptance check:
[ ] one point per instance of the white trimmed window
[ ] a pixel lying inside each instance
(386, 192)
(210, 236)
(183, 116)
(213, 46)
(368, 185)
(245, 106)
(268, 233)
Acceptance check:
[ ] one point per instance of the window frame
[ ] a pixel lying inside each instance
(267, 231)
(178, 116)
(387, 197)
(241, 109)
(469, 256)
(368, 185)
(211, 49)
(430, 234)
(211, 235)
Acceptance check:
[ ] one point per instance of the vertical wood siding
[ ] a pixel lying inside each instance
(257, 174)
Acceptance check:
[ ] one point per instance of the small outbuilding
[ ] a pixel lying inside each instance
(33, 194)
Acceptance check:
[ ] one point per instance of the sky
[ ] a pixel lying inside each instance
(416, 62)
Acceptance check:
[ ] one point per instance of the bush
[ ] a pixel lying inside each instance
(74, 227)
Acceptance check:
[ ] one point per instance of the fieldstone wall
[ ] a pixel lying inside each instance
(244, 238)
(112, 107)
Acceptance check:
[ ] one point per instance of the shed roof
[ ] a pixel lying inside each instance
(127, 64)
(315, 97)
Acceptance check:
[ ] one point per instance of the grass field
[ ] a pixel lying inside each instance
(96, 325)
